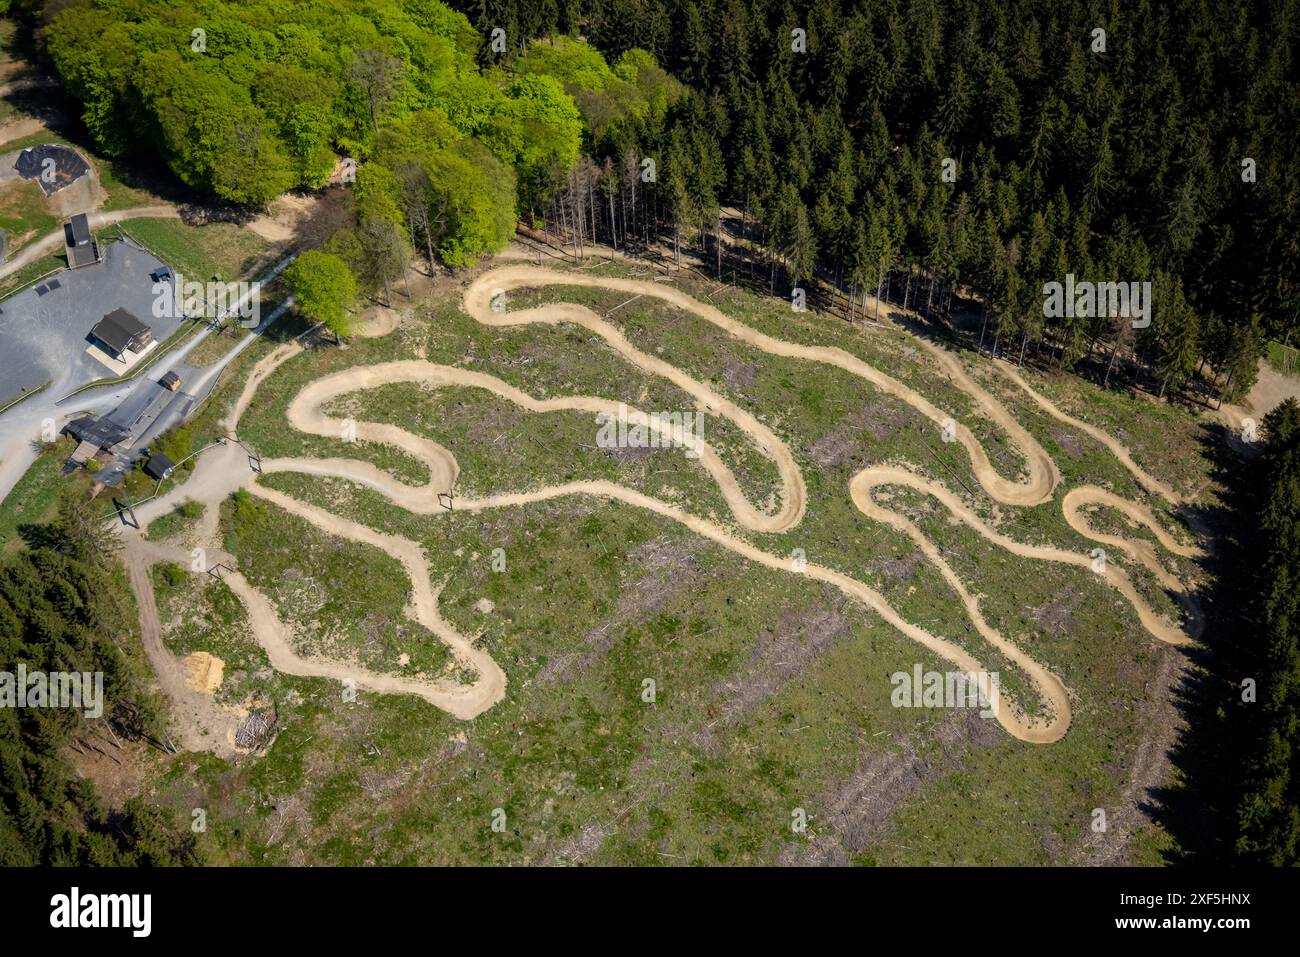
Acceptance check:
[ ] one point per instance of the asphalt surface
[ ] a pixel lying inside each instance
(43, 338)
(23, 427)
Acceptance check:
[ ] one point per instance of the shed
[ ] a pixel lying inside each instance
(159, 466)
(82, 248)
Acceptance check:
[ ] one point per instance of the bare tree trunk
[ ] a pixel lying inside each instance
(1110, 363)
(613, 227)
(879, 280)
(633, 216)
(564, 221)
(744, 234)
(717, 242)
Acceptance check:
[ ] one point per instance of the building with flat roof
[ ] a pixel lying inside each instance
(120, 332)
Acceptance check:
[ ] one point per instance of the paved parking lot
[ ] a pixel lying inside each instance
(43, 338)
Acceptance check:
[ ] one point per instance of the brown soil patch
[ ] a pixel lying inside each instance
(203, 672)
(1056, 617)
(280, 223)
(1069, 443)
(117, 769)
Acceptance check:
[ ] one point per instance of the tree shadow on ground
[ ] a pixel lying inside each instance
(1198, 808)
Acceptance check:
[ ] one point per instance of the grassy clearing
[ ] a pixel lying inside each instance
(183, 517)
(263, 423)
(589, 743)
(1285, 359)
(24, 214)
(199, 613)
(221, 251)
(594, 600)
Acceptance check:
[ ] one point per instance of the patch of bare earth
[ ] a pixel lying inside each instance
(1056, 617)
(1069, 442)
(739, 373)
(116, 767)
(578, 848)
(280, 222)
(203, 672)
(900, 568)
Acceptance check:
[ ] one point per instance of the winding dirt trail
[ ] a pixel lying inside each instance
(1034, 489)
(204, 725)
(305, 415)
(868, 479)
(220, 474)
(463, 700)
(207, 725)
(1117, 449)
